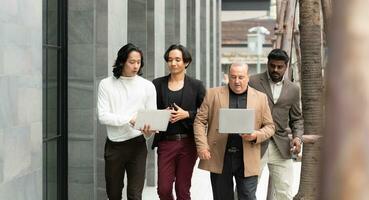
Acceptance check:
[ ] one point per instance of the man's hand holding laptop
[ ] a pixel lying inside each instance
(249, 137)
(147, 131)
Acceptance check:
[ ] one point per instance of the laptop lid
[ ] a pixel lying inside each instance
(157, 119)
(233, 120)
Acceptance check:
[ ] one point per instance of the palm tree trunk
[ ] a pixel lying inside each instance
(327, 16)
(311, 95)
(345, 171)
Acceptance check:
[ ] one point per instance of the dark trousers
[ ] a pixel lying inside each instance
(222, 184)
(127, 156)
(176, 160)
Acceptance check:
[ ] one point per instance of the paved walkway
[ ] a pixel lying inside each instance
(201, 188)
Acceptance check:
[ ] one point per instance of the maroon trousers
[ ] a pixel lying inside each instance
(176, 160)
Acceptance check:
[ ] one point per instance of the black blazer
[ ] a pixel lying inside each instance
(193, 95)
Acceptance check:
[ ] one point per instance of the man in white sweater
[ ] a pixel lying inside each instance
(119, 99)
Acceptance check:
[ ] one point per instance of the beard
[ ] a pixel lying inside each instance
(275, 77)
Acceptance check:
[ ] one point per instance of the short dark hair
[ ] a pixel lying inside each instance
(186, 56)
(278, 54)
(122, 57)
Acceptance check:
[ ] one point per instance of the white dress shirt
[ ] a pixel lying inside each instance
(276, 88)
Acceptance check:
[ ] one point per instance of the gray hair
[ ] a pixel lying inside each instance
(238, 64)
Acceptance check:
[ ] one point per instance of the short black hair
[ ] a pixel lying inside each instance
(186, 56)
(278, 54)
(122, 57)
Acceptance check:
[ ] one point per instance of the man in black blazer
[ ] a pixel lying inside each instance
(177, 154)
(284, 102)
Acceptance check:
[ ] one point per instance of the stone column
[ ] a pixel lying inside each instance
(198, 38)
(137, 26)
(87, 60)
(191, 36)
(155, 66)
(207, 43)
(183, 23)
(159, 31)
(218, 42)
(212, 22)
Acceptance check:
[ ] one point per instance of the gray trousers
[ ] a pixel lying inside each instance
(222, 184)
(280, 173)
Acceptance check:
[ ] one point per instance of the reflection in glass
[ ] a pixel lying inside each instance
(52, 22)
(51, 167)
(52, 92)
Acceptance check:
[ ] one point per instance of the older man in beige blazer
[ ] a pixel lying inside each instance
(232, 155)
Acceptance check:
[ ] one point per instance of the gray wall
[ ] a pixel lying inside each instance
(21, 99)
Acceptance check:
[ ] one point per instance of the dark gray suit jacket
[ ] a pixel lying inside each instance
(285, 112)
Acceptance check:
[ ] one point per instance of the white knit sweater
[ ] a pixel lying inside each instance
(119, 100)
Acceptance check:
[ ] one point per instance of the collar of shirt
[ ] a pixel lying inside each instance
(231, 92)
(275, 88)
(127, 77)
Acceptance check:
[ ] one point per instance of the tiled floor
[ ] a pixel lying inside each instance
(201, 188)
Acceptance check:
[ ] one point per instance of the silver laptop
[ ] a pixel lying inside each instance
(157, 119)
(236, 120)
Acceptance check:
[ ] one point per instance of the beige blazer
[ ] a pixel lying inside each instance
(207, 134)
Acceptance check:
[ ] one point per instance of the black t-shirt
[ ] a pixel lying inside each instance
(175, 97)
(236, 101)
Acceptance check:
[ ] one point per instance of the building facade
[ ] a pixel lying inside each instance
(238, 17)
(53, 54)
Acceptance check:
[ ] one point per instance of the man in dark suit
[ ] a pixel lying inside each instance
(182, 95)
(284, 102)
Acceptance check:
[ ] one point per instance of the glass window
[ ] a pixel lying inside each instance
(54, 100)
(53, 23)
(50, 150)
(51, 92)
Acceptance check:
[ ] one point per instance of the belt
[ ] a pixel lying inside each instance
(137, 139)
(233, 150)
(175, 137)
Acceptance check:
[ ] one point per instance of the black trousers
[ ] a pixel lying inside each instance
(222, 184)
(127, 156)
